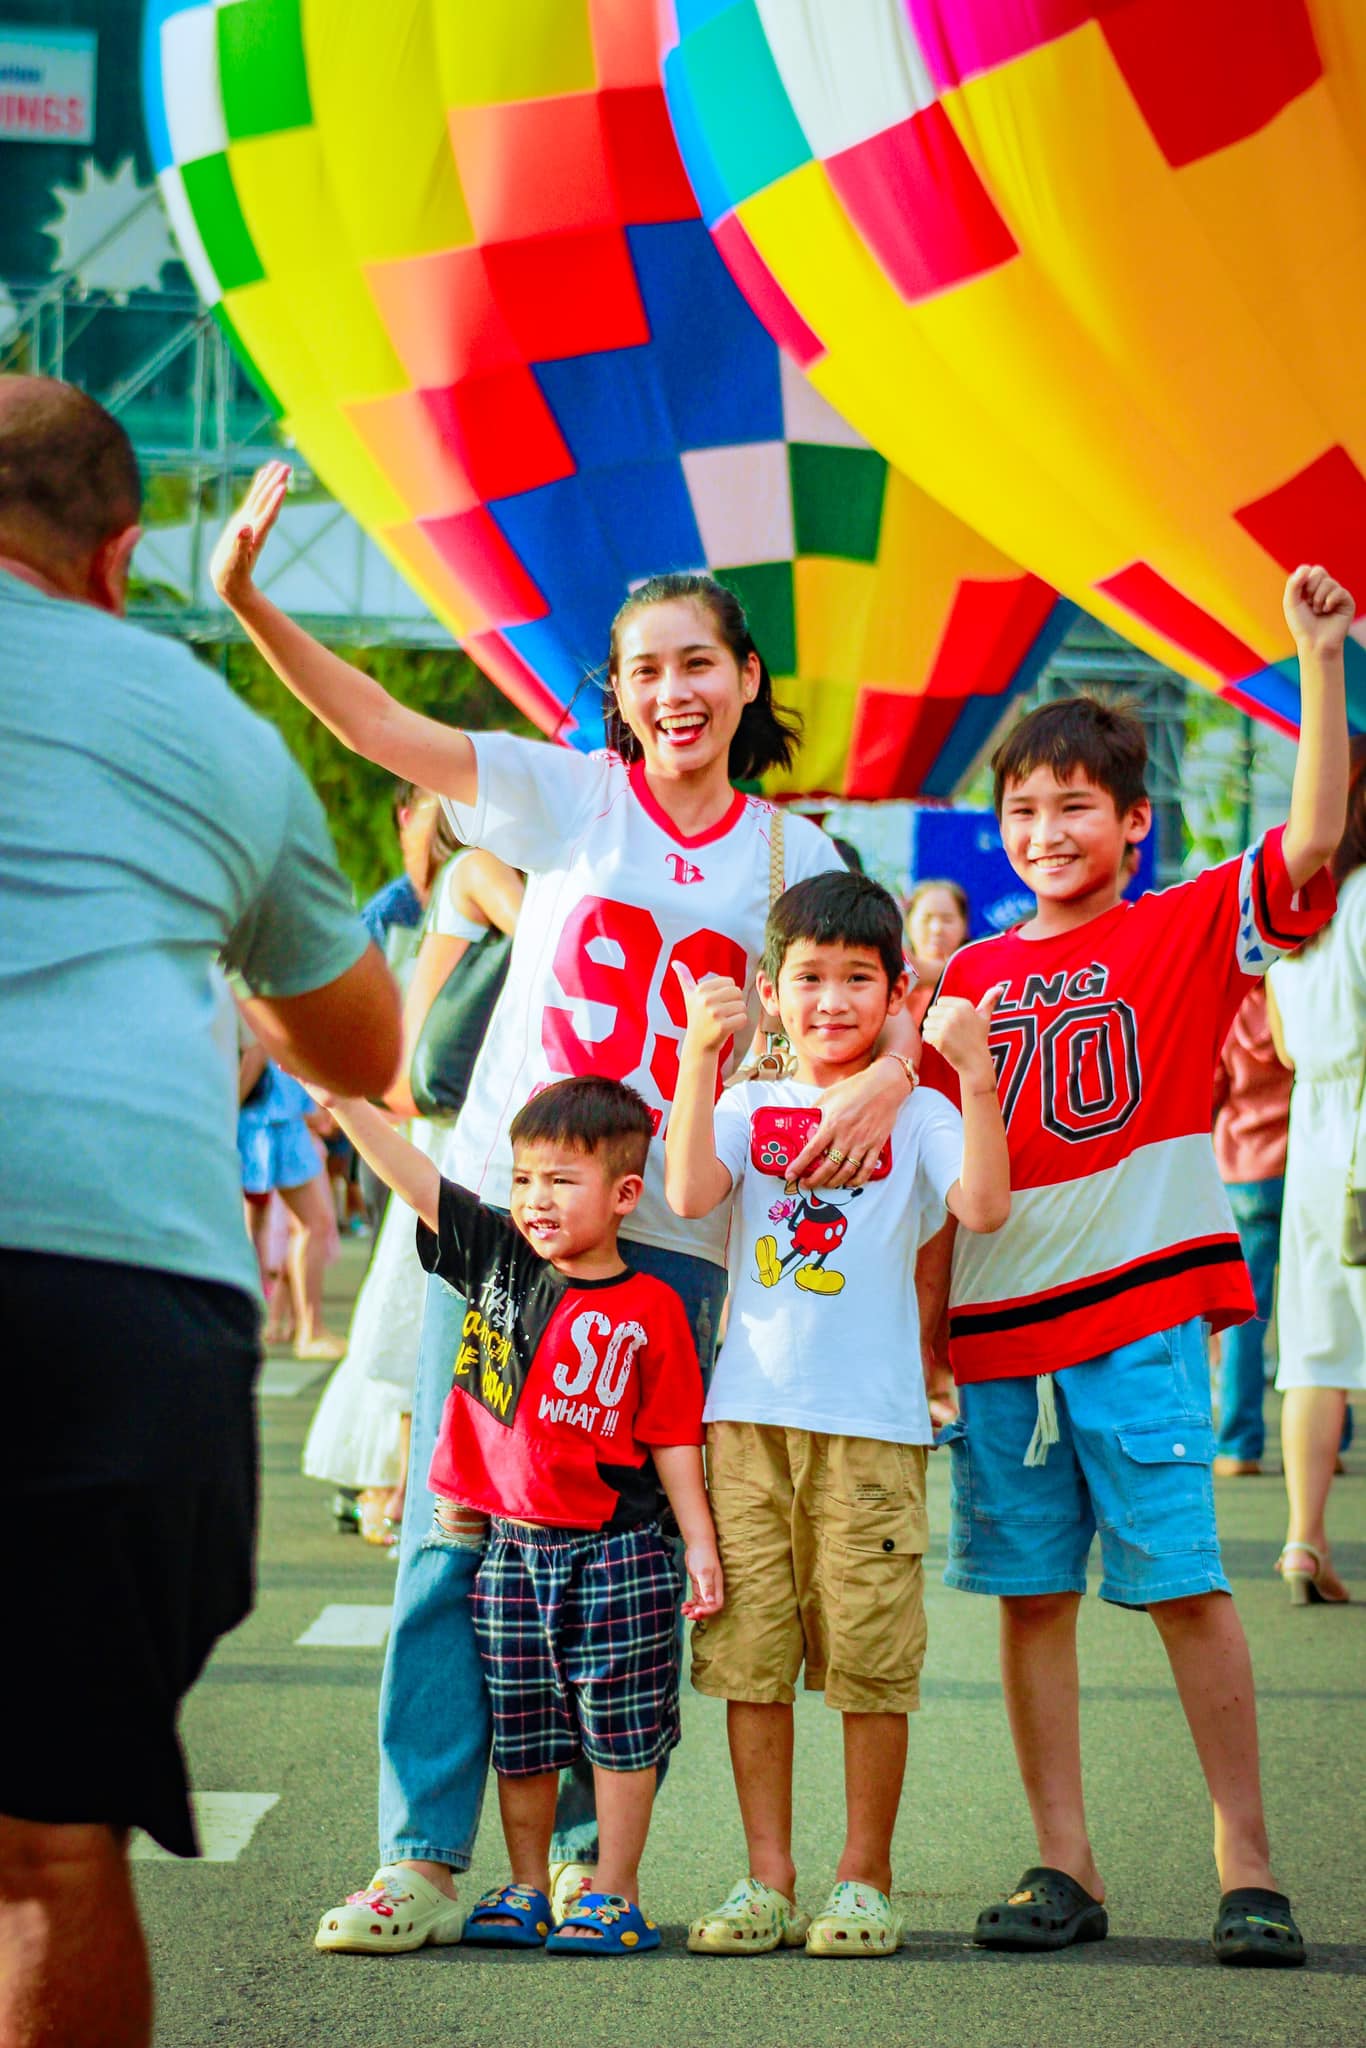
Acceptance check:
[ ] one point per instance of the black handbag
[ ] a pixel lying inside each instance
(454, 1027)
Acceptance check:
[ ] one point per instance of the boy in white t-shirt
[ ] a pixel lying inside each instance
(817, 1418)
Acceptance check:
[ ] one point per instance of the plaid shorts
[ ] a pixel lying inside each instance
(578, 1633)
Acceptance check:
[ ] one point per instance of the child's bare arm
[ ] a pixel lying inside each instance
(680, 1474)
(400, 1166)
(980, 1197)
(1318, 612)
(695, 1181)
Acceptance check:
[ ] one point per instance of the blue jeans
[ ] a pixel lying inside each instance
(435, 1727)
(1256, 1206)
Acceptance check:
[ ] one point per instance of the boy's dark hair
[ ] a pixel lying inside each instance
(767, 734)
(591, 1114)
(1104, 741)
(836, 909)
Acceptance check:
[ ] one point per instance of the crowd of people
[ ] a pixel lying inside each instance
(726, 1117)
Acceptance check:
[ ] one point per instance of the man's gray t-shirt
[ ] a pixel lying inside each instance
(148, 823)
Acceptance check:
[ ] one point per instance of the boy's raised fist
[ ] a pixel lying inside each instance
(1318, 610)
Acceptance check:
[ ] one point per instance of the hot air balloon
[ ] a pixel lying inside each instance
(1089, 273)
(457, 247)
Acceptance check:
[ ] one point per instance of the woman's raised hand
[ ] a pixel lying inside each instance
(233, 562)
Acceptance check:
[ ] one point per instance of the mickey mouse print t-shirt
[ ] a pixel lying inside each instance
(823, 1331)
(559, 1386)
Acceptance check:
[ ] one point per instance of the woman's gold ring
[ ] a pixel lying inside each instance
(835, 1156)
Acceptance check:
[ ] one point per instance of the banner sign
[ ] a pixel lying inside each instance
(964, 846)
(47, 84)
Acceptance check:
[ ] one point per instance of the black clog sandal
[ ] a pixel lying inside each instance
(1256, 1931)
(1047, 1910)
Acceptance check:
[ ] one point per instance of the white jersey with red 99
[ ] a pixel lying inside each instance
(616, 898)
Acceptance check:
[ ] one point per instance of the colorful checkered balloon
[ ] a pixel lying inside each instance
(1088, 270)
(457, 247)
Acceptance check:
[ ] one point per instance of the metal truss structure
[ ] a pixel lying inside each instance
(160, 364)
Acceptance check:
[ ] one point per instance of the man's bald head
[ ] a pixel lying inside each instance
(69, 481)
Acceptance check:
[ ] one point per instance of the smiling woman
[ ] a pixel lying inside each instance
(640, 862)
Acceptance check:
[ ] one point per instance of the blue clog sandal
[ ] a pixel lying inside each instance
(510, 1916)
(614, 1928)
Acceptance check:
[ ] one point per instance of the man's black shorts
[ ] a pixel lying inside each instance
(131, 1438)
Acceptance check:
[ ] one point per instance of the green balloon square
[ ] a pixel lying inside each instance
(212, 199)
(837, 498)
(262, 67)
(765, 589)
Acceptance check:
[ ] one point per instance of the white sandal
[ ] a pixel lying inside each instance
(1305, 1590)
(856, 1920)
(398, 1910)
(752, 1920)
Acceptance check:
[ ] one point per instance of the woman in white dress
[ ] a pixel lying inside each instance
(1318, 1019)
(358, 1437)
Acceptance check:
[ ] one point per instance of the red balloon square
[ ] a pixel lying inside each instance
(568, 294)
(913, 193)
(1317, 516)
(1207, 73)
(502, 432)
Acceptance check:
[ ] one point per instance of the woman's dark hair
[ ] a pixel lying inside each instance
(589, 1114)
(835, 909)
(1351, 848)
(1105, 741)
(767, 735)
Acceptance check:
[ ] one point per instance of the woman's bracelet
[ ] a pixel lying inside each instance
(907, 1069)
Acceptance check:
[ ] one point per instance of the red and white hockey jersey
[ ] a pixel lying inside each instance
(1104, 1042)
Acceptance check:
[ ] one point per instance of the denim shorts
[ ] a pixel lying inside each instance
(276, 1156)
(1132, 1465)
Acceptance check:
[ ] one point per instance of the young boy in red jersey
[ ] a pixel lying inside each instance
(1075, 1332)
(575, 1398)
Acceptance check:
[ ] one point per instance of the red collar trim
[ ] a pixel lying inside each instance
(648, 802)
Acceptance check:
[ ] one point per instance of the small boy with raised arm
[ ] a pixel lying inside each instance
(575, 1398)
(1076, 1336)
(817, 1424)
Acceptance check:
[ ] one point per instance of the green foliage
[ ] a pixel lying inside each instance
(357, 795)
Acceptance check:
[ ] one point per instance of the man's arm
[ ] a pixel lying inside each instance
(1318, 612)
(410, 1173)
(695, 1181)
(346, 1035)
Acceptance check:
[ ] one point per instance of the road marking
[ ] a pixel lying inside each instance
(282, 1381)
(348, 1628)
(226, 1822)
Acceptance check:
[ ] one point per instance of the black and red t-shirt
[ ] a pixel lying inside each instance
(559, 1386)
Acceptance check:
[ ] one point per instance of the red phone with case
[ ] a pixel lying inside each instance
(777, 1135)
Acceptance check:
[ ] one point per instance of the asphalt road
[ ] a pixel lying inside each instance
(281, 1740)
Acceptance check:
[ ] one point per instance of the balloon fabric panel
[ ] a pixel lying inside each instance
(1083, 271)
(458, 249)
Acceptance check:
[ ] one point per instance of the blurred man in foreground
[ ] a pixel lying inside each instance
(149, 825)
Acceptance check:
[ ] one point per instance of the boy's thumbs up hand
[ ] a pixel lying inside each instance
(959, 1029)
(715, 1008)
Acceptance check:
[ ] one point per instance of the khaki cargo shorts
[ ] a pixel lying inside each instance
(822, 1540)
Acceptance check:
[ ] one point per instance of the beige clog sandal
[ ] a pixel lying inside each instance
(857, 1920)
(398, 1911)
(752, 1920)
